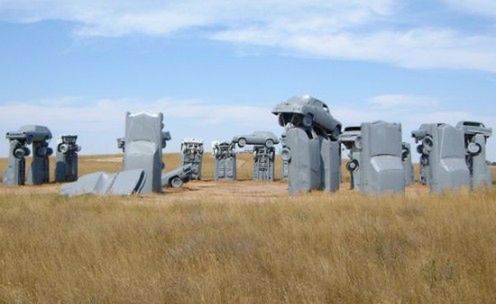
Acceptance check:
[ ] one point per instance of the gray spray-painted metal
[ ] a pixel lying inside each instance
(443, 156)
(406, 156)
(15, 174)
(142, 145)
(303, 154)
(476, 136)
(102, 183)
(39, 172)
(330, 152)
(310, 130)
(350, 138)
(257, 138)
(308, 112)
(264, 153)
(142, 163)
(263, 163)
(285, 162)
(225, 161)
(177, 177)
(192, 153)
(424, 169)
(66, 168)
(380, 158)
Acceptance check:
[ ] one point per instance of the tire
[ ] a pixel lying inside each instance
(474, 148)
(269, 143)
(420, 149)
(242, 142)
(404, 154)
(20, 153)
(427, 144)
(63, 148)
(352, 165)
(176, 182)
(307, 121)
(286, 154)
(26, 151)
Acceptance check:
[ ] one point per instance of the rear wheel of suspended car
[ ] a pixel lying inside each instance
(307, 121)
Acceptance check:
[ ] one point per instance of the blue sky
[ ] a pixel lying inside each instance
(216, 68)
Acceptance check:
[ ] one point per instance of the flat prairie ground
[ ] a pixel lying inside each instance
(245, 242)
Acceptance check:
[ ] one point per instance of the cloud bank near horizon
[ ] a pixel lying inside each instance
(394, 32)
(100, 122)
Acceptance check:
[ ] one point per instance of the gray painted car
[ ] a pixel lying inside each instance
(310, 112)
(177, 177)
(261, 138)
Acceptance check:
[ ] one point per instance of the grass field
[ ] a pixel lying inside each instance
(245, 242)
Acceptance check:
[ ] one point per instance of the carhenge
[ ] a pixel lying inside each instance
(476, 135)
(224, 160)
(264, 153)
(312, 149)
(38, 173)
(442, 162)
(142, 162)
(376, 162)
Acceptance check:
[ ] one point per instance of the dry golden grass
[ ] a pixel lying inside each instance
(246, 247)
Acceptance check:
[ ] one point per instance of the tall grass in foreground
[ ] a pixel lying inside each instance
(314, 248)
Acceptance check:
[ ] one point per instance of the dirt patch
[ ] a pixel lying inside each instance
(246, 191)
(104, 160)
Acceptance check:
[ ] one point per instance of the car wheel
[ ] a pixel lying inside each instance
(242, 142)
(20, 153)
(307, 120)
(404, 154)
(427, 143)
(63, 148)
(286, 154)
(26, 151)
(269, 143)
(176, 182)
(352, 165)
(474, 148)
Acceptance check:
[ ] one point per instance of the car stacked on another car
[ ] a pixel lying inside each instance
(257, 138)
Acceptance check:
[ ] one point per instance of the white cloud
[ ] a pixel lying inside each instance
(418, 48)
(376, 30)
(100, 122)
(117, 18)
(111, 110)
